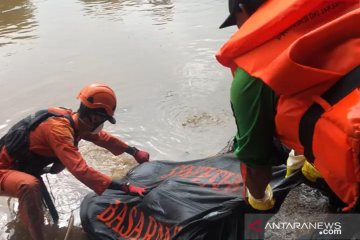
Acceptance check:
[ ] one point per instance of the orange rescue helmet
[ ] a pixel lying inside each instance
(99, 96)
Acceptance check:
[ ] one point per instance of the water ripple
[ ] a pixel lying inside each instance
(17, 21)
(116, 10)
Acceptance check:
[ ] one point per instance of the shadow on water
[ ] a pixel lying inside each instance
(17, 21)
(115, 9)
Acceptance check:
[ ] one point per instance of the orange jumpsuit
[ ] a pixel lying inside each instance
(53, 138)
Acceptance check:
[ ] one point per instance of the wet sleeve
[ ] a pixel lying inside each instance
(61, 141)
(104, 139)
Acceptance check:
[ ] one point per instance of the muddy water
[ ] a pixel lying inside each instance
(158, 55)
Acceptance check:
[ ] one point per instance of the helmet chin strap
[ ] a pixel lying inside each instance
(97, 129)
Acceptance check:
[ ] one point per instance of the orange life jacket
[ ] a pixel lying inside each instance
(17, 140)
(300, 48)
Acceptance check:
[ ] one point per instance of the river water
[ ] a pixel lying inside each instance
(158, 55)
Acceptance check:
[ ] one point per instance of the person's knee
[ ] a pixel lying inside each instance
(29, 186)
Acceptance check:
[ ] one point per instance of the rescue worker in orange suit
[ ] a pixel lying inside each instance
(266, 28)
(53, 138)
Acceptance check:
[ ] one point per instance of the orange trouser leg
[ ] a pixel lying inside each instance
(27, 189)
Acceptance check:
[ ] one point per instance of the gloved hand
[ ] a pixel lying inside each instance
(266, 203)
(310, 172)
(139, 155)
(294, 162)
(134, 190)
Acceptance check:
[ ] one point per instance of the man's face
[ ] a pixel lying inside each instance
(97, 119)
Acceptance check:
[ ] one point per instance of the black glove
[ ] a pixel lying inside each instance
(139, 155)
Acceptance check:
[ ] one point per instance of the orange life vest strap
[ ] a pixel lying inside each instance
(337, 92)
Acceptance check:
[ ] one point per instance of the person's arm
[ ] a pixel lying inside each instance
(61, 141)
(104, 139)
(116, 146)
